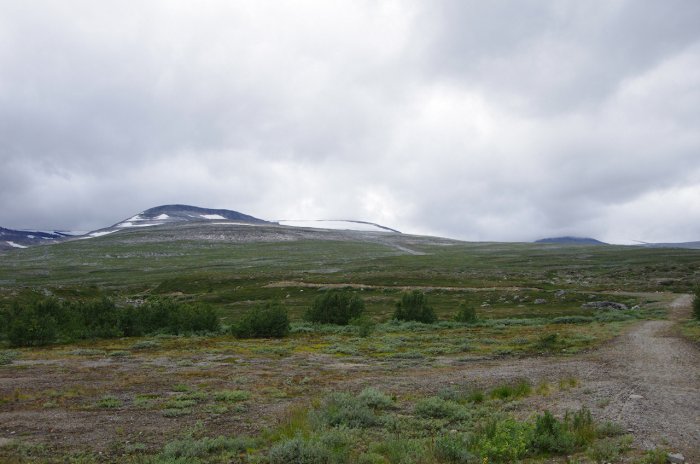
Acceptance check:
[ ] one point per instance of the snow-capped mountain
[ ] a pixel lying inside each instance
(172, 214)
(10, 238)
(190, 216)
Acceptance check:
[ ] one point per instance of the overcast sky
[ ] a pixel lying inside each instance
(479, 120)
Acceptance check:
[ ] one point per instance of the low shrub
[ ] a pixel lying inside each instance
(548, 341)
(504, 440)
(335, 307)
(365, 326)
(268, 321)
(190, 448)
(466, 313)
(7, 356)
(454, 448)
(109, 402)
(438, 408)
(572, 320)
(375, 399)
(696, 304)
(342, 409)
(551, 436)
(414, 307)
(299, 451)
(511, 391)
(403, 451)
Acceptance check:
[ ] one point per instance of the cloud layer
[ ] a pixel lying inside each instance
(474, 120)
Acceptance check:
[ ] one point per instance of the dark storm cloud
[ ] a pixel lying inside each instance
(477, 120)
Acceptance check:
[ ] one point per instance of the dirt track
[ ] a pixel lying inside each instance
(647, 380)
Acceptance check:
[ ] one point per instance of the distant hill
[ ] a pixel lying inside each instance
(10, 238)
(686, 245)
(571, 241)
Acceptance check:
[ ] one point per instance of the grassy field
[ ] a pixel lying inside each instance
(327, 393)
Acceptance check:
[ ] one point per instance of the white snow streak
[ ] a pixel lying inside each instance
(336, 225)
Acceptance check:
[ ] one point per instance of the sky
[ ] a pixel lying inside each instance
(475, 120)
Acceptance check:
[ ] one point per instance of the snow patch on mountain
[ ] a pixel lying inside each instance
(15, 245)
(337, 225)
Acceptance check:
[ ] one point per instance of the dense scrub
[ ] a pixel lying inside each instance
(335, 307)
(414, 307)
(42, 321)
(266, 321)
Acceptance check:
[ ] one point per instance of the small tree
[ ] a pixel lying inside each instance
(414, 307)
(335, 307)
(696, 304)
(268, 321)
(466, 313)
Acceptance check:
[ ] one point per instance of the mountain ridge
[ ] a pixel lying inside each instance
(570, 240)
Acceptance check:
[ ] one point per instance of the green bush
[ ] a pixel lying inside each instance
(454, 448)
(268, 321)
(504, 440)
(551, 435)
(365, 326)
(335, 307)
(548, 341)
(189, 448)
(342, 409)
(466, 313)
(696, 304)
(582, 426)
(414, 307)
(375, 399)
(437, 408)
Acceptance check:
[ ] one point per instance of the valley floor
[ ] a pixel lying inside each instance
(647, 380)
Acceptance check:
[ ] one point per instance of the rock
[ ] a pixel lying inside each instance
(636, 397)
(675, 458)
(560, 293)
(635, 308)
(604, 305)
(540, 301)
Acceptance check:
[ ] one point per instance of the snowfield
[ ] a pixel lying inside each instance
(335, 225)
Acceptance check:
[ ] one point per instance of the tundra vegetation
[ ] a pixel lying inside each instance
(304, 351)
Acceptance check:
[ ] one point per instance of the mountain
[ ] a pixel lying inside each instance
(571, 241)
(178, 214)
(10, 238)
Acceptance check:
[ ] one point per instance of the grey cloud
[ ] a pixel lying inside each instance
(476, 120)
